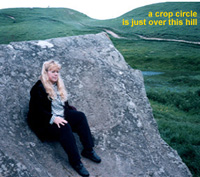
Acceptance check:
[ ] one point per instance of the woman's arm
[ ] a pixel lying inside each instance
(40, 105)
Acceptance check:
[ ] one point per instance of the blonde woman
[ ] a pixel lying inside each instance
(51, 117)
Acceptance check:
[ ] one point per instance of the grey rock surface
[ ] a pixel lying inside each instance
(105, 88)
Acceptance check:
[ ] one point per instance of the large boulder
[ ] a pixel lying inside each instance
(105, 88)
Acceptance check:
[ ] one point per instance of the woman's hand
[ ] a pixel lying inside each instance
(60, 121)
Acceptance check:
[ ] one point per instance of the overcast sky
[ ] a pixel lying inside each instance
(98, 9)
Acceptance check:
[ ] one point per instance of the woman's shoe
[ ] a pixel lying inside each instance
(91, 155)
(80, 169)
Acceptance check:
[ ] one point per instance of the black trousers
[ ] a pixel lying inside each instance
(77, 122)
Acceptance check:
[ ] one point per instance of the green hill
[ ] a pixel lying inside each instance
(40, 23)
(184, 32)
(158, 54)
(21, 24)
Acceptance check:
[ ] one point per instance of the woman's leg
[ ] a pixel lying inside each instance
(66, 138)
(79, 124)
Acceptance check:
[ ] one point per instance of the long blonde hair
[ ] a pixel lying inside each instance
(47, 66)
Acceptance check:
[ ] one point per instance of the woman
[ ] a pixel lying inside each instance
(51, 117)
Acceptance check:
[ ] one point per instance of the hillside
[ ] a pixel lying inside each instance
(41, 23)
(23, 24)
(184, 32)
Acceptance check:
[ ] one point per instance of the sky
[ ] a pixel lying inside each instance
(97, 9)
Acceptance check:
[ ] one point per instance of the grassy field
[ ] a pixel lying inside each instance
(175, 99)
(174, 95)
(159, 56)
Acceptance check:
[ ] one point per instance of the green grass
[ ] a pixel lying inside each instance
(176, 108)
(42, 23)
(183, 32)
(39, 23)
(181, 131)
(174, 95)
(159, 55)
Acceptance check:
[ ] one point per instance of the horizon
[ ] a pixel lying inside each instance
(111, 9)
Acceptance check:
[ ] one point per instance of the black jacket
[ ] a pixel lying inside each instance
(39, 113)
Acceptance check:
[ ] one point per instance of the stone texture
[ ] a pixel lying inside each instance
(99, 83)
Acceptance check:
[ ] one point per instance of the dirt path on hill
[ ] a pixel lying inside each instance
(151, 39)
(114, 34)
(170, 40)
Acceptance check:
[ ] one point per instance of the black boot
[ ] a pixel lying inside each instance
(91, 155)
(80, 169)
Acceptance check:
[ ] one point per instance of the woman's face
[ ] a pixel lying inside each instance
(53, 75)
